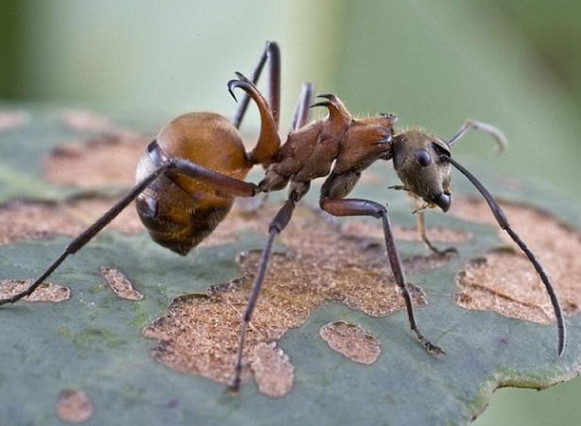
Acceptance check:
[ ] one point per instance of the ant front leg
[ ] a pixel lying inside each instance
(219, 181)
(279, 222)
(358, 207)
(421, 224)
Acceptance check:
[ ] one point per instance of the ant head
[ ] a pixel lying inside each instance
(421, 162)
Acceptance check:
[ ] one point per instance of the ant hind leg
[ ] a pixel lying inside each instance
(221, 182)
(90, 232)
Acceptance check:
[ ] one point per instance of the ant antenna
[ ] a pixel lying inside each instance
(503, 222)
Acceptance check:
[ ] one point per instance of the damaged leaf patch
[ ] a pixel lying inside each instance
(74, 406)
(46, 292)
(199, 333)
(36, 220)
(108, 160)
(272, 370)
(352, 341)
(120, 284)
(85, 121)
(504, 281)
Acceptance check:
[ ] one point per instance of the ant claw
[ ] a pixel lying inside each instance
(232, 390)
(435, 350)
(449, 251)
(430, 347)
(234, 387)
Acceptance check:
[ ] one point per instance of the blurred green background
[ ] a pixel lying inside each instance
(514, 63)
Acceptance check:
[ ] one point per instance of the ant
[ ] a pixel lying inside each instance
(190, 175)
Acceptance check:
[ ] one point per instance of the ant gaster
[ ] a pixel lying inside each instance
(191, 173)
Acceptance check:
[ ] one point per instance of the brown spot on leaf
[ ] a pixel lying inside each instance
(199, 333)
(272, 370)
(83, 120)
(504, 281)
(74, 406)
(36, 220)
(120, 284)
(109, 160)
(12, 119)
(352, 341)
(45, 292)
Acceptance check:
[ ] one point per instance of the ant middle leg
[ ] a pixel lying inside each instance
(359, 207)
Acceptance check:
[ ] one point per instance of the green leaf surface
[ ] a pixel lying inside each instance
(94, 342)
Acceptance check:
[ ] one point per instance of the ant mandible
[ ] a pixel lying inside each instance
(191, 173)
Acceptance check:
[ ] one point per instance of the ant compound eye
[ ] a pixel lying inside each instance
(442, 151)
(423, 157)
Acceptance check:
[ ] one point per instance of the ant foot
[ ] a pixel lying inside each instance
(234, 387)
(449, 251)
(430, 347)
(434, 350)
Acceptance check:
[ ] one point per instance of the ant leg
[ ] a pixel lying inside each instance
(220, 182)
(279, 222)
(302, 114)
(90, 232)
(359, 207)
(272, 54)
(421, 224)
(489, 129)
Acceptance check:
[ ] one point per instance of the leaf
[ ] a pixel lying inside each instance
(92, 346)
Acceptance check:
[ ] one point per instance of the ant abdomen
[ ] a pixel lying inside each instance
(179, 211)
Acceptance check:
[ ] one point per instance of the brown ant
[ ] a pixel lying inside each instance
(191, 173)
